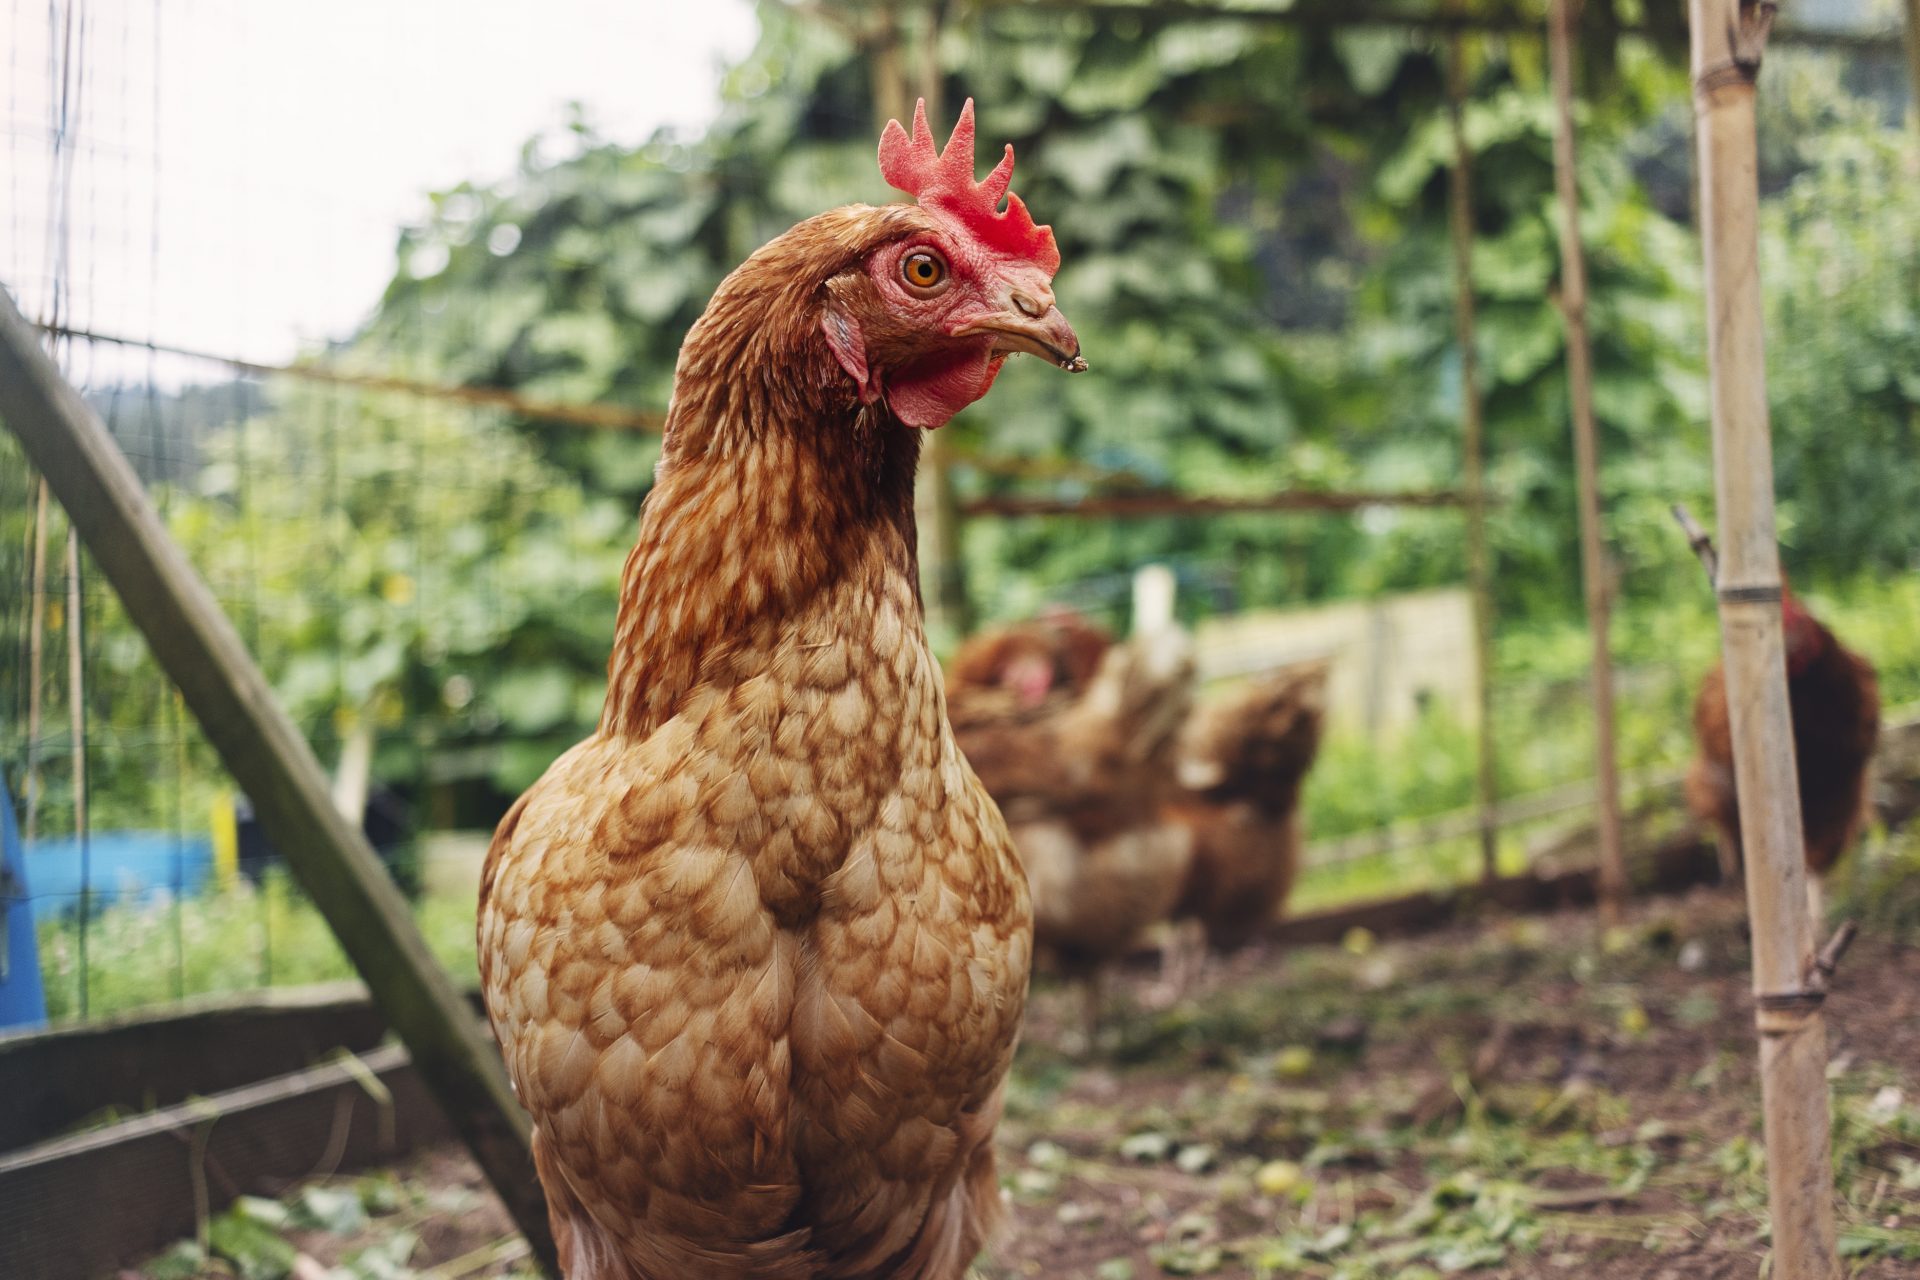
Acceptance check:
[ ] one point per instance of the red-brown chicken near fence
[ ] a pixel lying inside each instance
(1834, 695)
(1059, 651)
(756, 952)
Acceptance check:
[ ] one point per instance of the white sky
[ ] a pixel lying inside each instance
(240, 169)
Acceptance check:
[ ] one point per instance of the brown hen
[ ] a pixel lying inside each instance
(1834, 696)
(1084, 780)
(756, 952)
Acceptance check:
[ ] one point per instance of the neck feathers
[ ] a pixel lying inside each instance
(774, 485)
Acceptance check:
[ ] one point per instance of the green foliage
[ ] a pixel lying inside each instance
(248, 1237)
(417, 569)
(1842, 250)
(1172, 164)
(1644, 317)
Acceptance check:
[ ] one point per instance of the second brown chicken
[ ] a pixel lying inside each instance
(1130, 808)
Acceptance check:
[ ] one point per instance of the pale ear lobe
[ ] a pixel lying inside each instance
(850, 349)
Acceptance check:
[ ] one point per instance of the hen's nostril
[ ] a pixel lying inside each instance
(1028, 306)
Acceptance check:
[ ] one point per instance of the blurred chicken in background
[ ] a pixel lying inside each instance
(1057, 652)
(1085, 776)
(1130, 807)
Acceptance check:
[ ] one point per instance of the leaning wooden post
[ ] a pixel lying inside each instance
(1728, 37)
(1586, 451)
(198, 647)
(1472, 449)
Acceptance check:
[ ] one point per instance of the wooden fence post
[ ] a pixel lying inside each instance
(1472, 452)
(1728, 37)
(1586, 449)
(199, 649)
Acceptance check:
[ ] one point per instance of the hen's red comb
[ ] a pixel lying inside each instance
(944, 182)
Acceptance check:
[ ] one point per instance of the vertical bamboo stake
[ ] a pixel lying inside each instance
(1727, 43)
(76, 685)
(1586, 449)
(77, 729)
(936, 507)
(1913, 61)
(36, 648)
(1472, 420)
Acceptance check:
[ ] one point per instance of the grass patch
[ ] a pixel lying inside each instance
(234, 939)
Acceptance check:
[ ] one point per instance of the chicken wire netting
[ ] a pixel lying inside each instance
(428, 575)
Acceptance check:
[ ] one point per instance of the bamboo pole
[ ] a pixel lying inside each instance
(936, 505)
(1586, 449)
(197, 646)
(609, 416)
(36, 656)
(936, 501)
(1913, 63)
(76, 686)
(1472, 450)
(77, 757)
(1727, 44)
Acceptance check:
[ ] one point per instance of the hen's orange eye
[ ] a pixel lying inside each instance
(923, 270)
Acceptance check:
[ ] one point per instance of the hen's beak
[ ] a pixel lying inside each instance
(1034, 326)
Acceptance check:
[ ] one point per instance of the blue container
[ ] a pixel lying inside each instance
(23, 1003)
(115, 866)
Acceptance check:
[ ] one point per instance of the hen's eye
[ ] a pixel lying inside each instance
(923, 270)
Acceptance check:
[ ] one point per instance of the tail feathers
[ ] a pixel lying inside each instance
(959, 1224)
(587, 1251)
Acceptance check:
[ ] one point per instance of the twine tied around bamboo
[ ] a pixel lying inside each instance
(1781, 1013)
(1748, 40)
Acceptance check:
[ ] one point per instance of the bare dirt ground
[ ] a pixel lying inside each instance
(1523, 1098)
(1534, 1098)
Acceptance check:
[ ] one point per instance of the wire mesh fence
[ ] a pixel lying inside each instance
(422, 572)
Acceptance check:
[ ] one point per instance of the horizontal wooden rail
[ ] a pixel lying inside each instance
(574, 413)
(1128, 506)
(86, 1205)
(1677, 864)
(1018, 467)
(1655, 785)
(61, 1079)
(584, 415)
